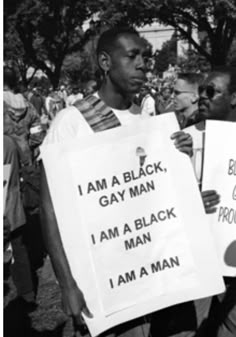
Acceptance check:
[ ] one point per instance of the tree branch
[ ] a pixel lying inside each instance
(200, 49)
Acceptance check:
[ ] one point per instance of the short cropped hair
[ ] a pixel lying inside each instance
(191, 78)
(227, 70)
(109, 38)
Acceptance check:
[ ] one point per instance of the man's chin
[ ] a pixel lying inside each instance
(203, 112)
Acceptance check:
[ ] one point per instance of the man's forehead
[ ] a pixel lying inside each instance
(181, 83)
(218, 80)
(130, 42)
(184, 85)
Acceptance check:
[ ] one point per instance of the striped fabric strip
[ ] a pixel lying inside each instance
(97, 114)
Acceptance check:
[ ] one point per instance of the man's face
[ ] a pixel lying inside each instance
(127, 71)
(143, 92)
(214, 101)
(184, 96)
(166, 93)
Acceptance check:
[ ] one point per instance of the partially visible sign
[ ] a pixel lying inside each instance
(220, 175)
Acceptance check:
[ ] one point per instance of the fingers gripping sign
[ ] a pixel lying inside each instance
(183, 142)
(210, 200)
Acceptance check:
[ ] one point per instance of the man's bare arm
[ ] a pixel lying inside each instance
(72, 297)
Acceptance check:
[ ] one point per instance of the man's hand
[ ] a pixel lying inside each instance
(74, 304)
(210, 200)
(183, 142)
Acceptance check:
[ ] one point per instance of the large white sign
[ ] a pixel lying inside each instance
(220, 175)
(132, 221)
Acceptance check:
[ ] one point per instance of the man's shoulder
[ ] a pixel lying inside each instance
(67, 124)
(68, 114)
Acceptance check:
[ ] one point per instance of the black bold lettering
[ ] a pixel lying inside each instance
(174, 261)
(155, 267)
(101, 184)
(113, 233)
(232, 167)
(157, 167)
(127, 177)
(115, 181)
(170, 213)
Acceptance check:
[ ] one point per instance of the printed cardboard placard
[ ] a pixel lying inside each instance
(220, 175)
(132, 221)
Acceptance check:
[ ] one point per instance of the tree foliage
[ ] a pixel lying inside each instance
(48, 30)
(216, 18)
(192, 62)
(42, 33)
(15, 56)
(167, 55)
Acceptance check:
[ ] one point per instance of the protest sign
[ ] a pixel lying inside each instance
(132, 221)
(220, 175)
(6, 177)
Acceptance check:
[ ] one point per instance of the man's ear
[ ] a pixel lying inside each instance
(104, 61)
(233, 100)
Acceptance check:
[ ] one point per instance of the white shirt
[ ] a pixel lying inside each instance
(69, 123)
(148, 106)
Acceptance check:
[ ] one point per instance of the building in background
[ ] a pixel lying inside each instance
(157, 34)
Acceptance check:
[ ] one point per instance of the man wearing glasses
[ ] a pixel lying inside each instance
(217, 95)
(217, 100)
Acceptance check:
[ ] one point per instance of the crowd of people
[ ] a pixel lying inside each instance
(32, 117)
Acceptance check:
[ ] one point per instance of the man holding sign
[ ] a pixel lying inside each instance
(121, 57)
(217, 101)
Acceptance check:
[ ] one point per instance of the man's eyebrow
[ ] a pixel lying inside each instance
(133, 50)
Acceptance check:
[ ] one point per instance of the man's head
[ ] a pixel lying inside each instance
(218, 95)
(15, 105)
(144, 90)
(166, 93)
(186, 93)
(121, 57)
(10, 78)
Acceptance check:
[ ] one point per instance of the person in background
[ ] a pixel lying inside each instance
(62, 93)
(74, 96)
(15, 221)
(217, 101)
(186, 98)
(90, 87)
(37, 100)
(164, 101)
(22, 123)
(147, 102)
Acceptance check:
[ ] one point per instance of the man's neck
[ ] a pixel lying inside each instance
(113, 98)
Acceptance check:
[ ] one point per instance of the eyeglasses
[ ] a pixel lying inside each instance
(178, 92)
(208, 89)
